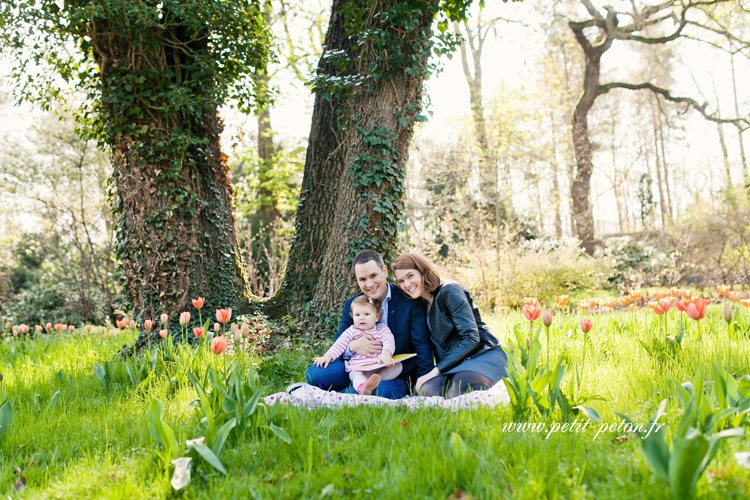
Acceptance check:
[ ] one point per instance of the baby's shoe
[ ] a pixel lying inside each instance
(369, 386)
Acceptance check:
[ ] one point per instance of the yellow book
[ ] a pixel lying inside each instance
(375, 364)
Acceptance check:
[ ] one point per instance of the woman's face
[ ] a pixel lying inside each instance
(410, 281)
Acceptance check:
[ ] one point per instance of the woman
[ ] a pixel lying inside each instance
(468, 356)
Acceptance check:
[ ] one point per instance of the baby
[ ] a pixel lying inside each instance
(365, 313)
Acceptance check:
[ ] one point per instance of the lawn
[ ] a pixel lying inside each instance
(77, 433)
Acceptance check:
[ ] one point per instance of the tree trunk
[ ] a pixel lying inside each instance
(555, 179)
(658, 158)
(367, 99)
(580, 190)
(176, 235)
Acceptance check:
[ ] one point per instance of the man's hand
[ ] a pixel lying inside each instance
(323, 361)
(386, 358)
(366, 346)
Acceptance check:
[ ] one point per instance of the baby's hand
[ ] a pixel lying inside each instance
(386, 359)
(323, 361)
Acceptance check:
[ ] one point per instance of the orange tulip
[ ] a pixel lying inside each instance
(735, 296)
(634, 294)
(38, 328)
(660, 307)
(626, 300)
(563, 300)
(594, 302)
(610, 304)
(198, 332)
(58, 327)
(224, 315)
(48, 326)
(745, 302)
(660, 295)
(675, 292)
(585, 325)
(697, 308)
(632, 307)
(531, 311)
(584, 304)
(687, 295)
(71, 328)
(163, 334)
(723, 290)
(219, 345)
(198, 303)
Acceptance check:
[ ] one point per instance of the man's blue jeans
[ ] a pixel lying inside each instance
(335, 378)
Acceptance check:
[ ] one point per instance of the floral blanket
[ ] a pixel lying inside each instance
(307, 396)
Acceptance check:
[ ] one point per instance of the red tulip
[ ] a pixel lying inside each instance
(198, 332)
(163, 334)
(219, 344)
(164, 318)
(148, 324)
(585, 325)
(198, 303)
(547, 318)
(697, 309)
(224, 315)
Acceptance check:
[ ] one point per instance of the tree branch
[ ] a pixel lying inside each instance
(741, 123)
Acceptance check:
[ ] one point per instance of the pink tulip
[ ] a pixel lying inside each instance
(224, 315)
(198, 303)
(39, 328)
(88, 328)
(217, 327)
(245, 330)
(184, 318)
(547, 318)
(219, 344)
(163, 334)
(198, 332)
(148, 324)
(7, 325)
(71, 328)
(164, 318)
(697, 309)
(48, 326)
(58, 327)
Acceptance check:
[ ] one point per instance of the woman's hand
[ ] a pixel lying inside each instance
(424, 378)
(366, 346)
(323, 361)
(386, 358)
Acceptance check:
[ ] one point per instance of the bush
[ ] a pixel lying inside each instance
(542, 269)
(637, 263)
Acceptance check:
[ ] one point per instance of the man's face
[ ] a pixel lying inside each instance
(372, 279)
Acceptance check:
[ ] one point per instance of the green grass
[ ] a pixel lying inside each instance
(94, 442)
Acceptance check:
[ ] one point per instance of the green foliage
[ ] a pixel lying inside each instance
(6, 418)
(161, 431)
(694, 444)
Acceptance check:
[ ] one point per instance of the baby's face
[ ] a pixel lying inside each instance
(364, 317)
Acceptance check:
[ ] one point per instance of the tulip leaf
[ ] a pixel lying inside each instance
(160, 431)
(6, 418)
(209, 456)
(280, 433)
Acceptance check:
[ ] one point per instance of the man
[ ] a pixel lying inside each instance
(404, 317)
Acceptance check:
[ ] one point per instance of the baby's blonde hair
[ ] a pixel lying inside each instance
(364, 300)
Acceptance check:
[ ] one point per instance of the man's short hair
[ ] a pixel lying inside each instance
(366, 256)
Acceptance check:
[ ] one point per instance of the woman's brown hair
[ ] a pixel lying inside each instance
(427, 269)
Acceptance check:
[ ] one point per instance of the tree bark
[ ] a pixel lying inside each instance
(176, 234)
(581, 188)
(353, 185)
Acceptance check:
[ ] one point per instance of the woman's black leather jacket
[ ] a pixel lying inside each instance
(456, 329)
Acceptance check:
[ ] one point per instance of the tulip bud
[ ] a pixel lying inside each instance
(39, 329)
(148, 324)
(245, 330)
(217, 327)
(727, 312)
(163, 334)
(528, 343)
(48, 326)
(133, 324)
(7, 325)
(88, 328)
(164, 318)
(71, 328)
(547, 318)
(184, 318)
(585, 325)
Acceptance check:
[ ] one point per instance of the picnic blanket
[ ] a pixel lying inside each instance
(307, 396)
